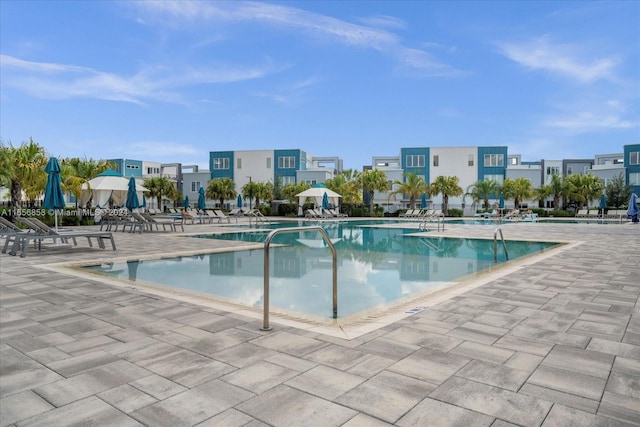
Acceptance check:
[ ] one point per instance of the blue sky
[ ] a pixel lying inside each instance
(170, 81)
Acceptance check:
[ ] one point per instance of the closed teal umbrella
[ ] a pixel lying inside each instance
(632, 212)
(144, 201)
(186, 202)
(325, 201)
(501, 202)
(603, 204)
(132, 197)
(53, 196)
(423, 201)
(202, 204)
(239, 201)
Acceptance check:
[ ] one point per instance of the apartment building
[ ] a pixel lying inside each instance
(469, 164)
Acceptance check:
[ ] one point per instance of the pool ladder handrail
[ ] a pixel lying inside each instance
(495, 245)
(439, 217)
(255, 213)
(267, 243)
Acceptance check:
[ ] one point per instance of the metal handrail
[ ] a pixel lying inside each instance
(495, 245)
(267, 243)
(439, 220)
(255, 213)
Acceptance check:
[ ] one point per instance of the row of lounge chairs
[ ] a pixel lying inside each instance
(618, 214)
(321, 213)
(145, 221)
(421, 213)
(35, 231)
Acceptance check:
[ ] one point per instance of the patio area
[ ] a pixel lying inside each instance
(551, 341)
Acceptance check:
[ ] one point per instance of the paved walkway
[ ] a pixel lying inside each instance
(554, 341)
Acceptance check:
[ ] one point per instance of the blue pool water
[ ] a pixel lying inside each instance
(376, 267)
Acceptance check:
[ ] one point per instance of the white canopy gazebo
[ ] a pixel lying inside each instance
(316, 193)
(109, 185)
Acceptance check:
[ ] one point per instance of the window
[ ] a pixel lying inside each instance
(514, 161)
(553, 170)
(268, 162)
(569, 170)
(287, 162)
(634, 158)
(239, 163)
(493, 160)
(133, 167)
(470, 160)
(497, 178)
(195, 186)
(153, 170)
(436, 160)
(634, 178)
(415, 161)
(287, 180)
(221, 163)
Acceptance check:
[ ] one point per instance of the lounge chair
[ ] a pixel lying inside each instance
(514, 215)
(235, 212)
(222, 217)
(336, 213)
(10, 232)
(593, 213)
(408, 213)
(157, 221)
(425, 213)
(311, 213)
(582, 213)
(41, 231)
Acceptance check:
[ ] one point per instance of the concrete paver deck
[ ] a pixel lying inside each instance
(552, 341)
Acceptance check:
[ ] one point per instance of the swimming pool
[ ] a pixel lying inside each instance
(377, 267)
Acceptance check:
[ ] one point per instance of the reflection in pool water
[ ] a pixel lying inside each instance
(376, 266)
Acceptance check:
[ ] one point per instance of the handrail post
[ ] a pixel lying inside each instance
(267, 243)
(495, 245)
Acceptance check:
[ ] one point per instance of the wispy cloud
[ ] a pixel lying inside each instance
(564, 59)
(584, 122)
(286, 95)
(383, 21)
(369, 36)
(62, 81)
(609, 115)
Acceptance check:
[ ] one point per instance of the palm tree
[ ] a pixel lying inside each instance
(22, 168)
(221, 189)
(517, 189)
(77, 172)
(557, 189)
(584, 188)
(289, 191)
(249, 191)
(373, 180)
(541, 193)
(413, 186)
(161, 186)
(264, 191)
(448, 186)
(481, 190)
(346, 184)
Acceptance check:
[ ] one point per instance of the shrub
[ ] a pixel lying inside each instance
(455, 212)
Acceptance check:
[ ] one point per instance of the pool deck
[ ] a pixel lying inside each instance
(554, 341)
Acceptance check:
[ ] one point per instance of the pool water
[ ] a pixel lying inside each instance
(376, 267)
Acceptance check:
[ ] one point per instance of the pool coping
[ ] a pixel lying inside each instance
(347, 327)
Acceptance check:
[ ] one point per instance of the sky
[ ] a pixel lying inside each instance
(170, 81)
